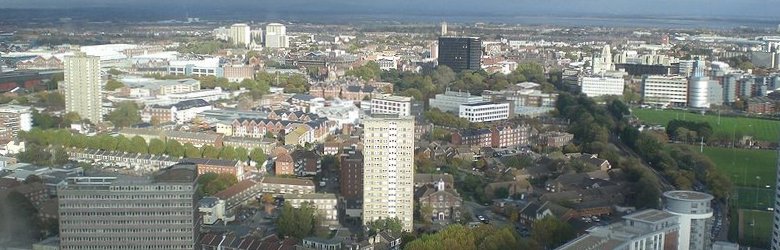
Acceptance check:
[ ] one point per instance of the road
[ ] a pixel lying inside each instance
(477, 209)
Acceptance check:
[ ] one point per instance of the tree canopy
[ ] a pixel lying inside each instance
(296, 222)
(125, 114)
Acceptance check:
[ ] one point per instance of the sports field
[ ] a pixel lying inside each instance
(762, 129)
(756, 228)
(743, 165)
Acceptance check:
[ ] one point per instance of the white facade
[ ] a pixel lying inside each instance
(82, 86)
(399, 105)
(213, 210)
(240, 34)
(388, 175)
(276, 36)
(325, 204)
(698, 94)
(221, 33)
(485, 111)
(645, 230)
(17, 118)
(204, 67)
(450, 101)
(602, 86)
(695, 215)
(665, 90)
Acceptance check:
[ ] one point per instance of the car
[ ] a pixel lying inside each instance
(480, 217)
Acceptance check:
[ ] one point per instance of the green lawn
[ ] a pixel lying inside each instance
(762, 129)
(745, 197)
(743, 165)
(757, 226)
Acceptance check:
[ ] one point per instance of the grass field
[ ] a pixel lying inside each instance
(757, 228)
(743, 165)
(745, 197)
(765, 130)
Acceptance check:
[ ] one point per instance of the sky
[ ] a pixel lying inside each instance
(760, 9)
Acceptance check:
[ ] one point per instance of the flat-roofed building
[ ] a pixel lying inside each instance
(450, 101)
(595, 86)
(486, 111)
(399, 105)
(649, 229)
(280, 185)
(157, 212)
(325, 204)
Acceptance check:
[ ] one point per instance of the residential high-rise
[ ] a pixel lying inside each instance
(388, 169)
(351, 174)
(443, 28)
(15, 118)
(157, 212)
(460, 53)
(695, 217)
(82, 86)
(400, 105)
(276, 36)
(240, 34)
(775, 245)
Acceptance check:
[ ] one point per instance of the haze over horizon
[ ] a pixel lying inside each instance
(721, 9)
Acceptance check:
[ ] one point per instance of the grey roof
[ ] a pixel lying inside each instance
(188, 104)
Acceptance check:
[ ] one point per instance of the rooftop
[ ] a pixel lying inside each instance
(650, 216)
(395, 98)
(288, 181)
(688, 195)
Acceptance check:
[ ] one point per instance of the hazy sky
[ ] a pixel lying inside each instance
(693, 8)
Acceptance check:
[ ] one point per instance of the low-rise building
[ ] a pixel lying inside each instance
(306, 163)
(473, 137)
(145, 162)
(325, 204)
(445, 202)
(284, 164)
(486, 111)
(761, 105)
(554, 139)
(216, 166)
(238, 73)
(15, 118)
(596, 86)
(212, 209)
(279, 185)
(181, 112)
(450, 101)
(649, 229)
(147, 87)
(196, 139)
(240, 193)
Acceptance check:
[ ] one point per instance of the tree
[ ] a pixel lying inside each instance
(426, 214)
(156, 146)
(174, 148)
(296, 222)
(125, 114)
(551, 232)
(123, 144)
(257, 156)
(191, 151)
(242, 154)
(228, 153)
(17, 210)
(112, 85)
(211, 183)
(210, 152)
(369, 71)
(60, 155)
(139, 145)
(393, 225)
(501, 192)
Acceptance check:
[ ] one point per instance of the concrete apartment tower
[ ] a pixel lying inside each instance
(388, 170)
(695, 217)
(443, 28)
(276, 36)
(155, 212)
(240, 34)
(82, 86)
(776, 229)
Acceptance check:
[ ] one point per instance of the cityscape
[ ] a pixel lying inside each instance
(330, 125)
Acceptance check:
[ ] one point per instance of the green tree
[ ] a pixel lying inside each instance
(123, 144)
(551, 232)
(296, 222)
(156, 146)
(139, 145)
(211, 183)
(393, 225)
(125, 114)
(367, 72)
(257, 155)
(113, 84)
(228, 153)
(17, 210)
(210, 152)
(60, 156)
(174, 148)
(191, 151)
(242, 154)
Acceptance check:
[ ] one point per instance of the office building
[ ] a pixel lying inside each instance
(698, 96)
(240, 35)
(486, 111)
(460, 53)
(157, 212)
(595, 86)
(694, 217)
(399, 105)
(82, 86)
(276, 36)
(443, 28)
(450, 101)
(665, 90)
(388, 169)
(775, 244)
(197, 68)
(649, 230)
(15, 118)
